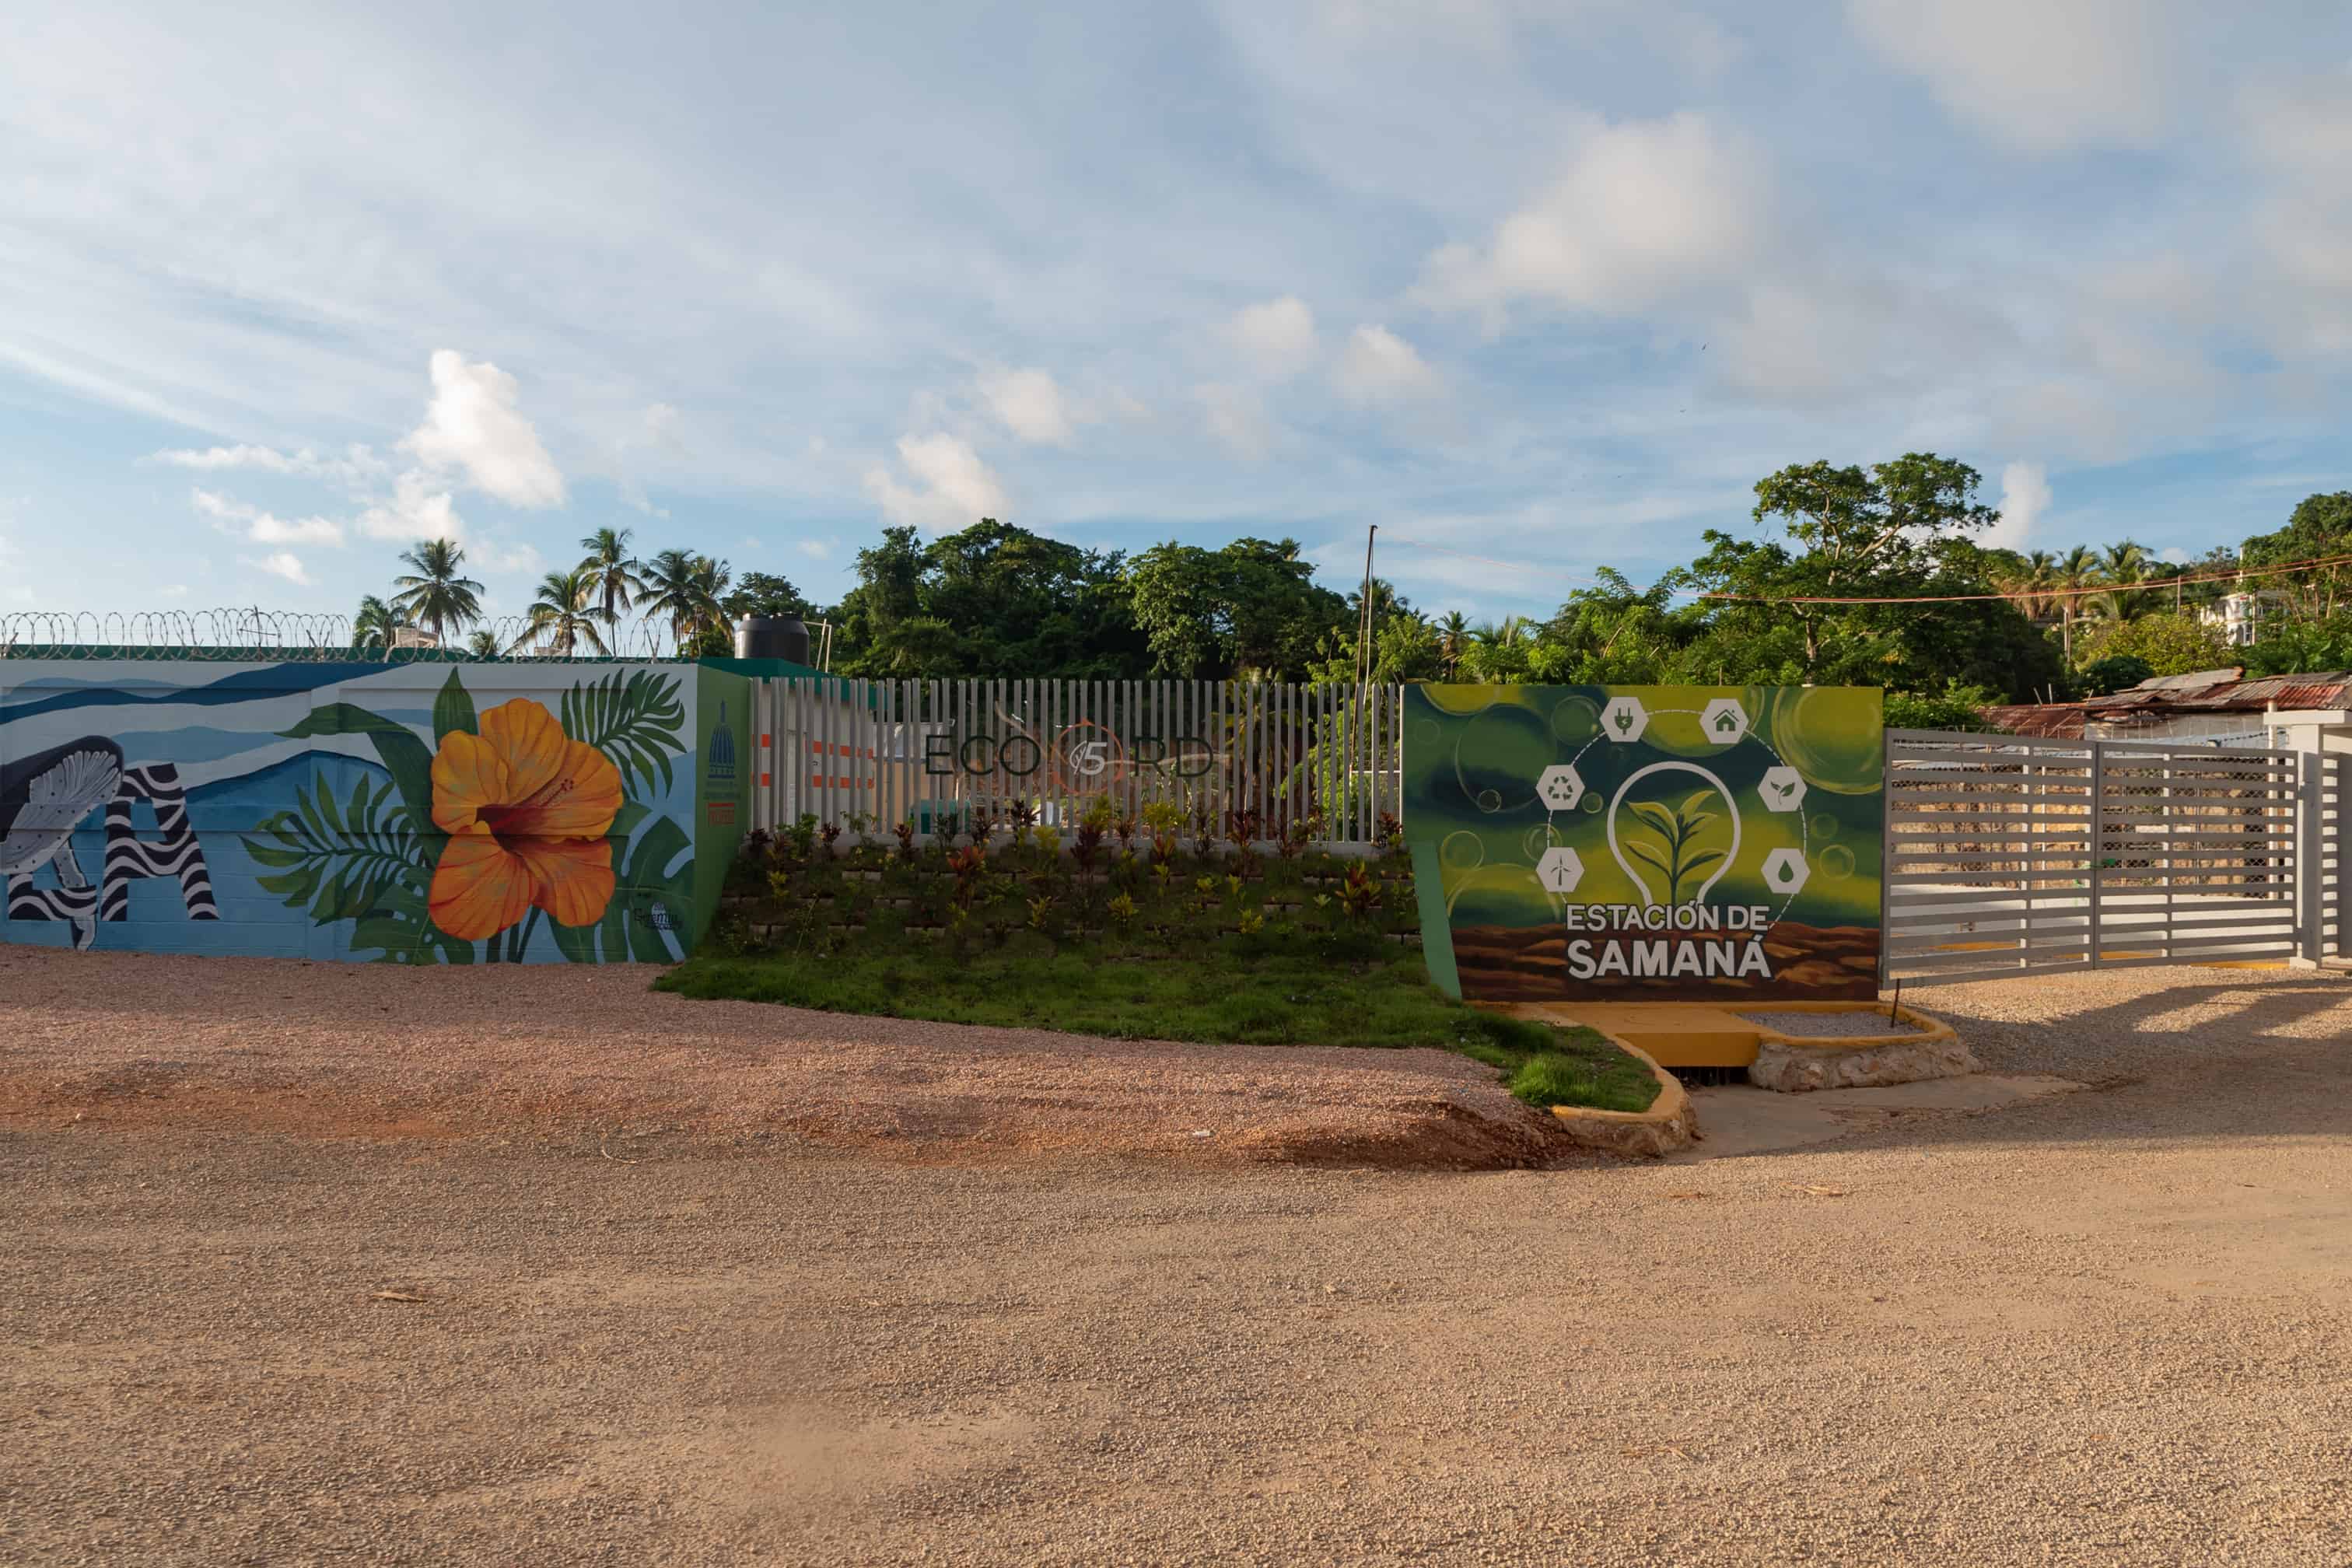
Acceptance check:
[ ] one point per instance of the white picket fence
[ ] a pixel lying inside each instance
(875, 753)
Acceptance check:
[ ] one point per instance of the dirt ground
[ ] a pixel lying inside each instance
(316, 1265)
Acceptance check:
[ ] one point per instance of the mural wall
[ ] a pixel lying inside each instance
(415, 813)
(1647, 843)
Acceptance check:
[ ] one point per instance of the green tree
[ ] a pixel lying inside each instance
(1616, 634)
(1899, 531)
(483, 644)
(1406, 646)
(564, 614)
(1957, 707)
(2076, 570)
(765, 594)
(613, 570)
(686, 590)
(2120, 566)
(987, 599)
(431, 593)
(2168, 644)
(376, 624)
(1453, 642)
(2318, 529)
(1252, 605)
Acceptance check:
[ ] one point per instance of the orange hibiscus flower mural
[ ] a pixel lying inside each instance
(527, 808)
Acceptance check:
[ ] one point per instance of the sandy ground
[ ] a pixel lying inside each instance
(287, 1287)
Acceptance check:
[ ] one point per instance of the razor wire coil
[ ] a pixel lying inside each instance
(225, 634)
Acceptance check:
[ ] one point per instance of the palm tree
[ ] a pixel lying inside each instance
(433, 592)
(376, 624)
(668, 590)
(1453, 641)
(483, 644)
(2076, 570)
(613, 570)
(564, 614)
(2120, 565)
(2030, 588)
(711, 580)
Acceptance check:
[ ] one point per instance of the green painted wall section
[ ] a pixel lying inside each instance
(726, 761)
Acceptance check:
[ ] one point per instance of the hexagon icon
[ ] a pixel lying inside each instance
(1782, 789)
(1785, 871)
(1559, 788)
(1724, 722)
(1624, 719)
(1559, 869)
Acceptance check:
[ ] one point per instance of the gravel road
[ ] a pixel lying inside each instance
(2112, 1327)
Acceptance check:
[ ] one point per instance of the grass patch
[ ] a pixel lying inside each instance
(1273, 1000)
(1137, 944)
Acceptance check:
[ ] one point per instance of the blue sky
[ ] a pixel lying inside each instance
(1545, 281)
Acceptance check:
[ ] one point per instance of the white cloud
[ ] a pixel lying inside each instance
(662, 427)
(282, 564)
(414, 510)
(1237, 419)
(473, 423)
(952, 488)
(1646, 210)
(2024, 499)
(2039, 75)
(1030, 405)
(1379, 367)
(229, 514)
(2173, 555)
(522, 558)
(264, 457)
(358, 464)
(2299, 139)
(817, 549)
(1275, 340)
(172, 590)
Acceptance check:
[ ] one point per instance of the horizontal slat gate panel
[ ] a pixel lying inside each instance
(2008, 854)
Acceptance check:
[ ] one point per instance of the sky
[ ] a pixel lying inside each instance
(1534, 286)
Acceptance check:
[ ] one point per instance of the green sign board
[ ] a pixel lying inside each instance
(1647, 843)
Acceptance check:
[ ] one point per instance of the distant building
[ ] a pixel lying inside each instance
(2216, 705)
(2240, 616)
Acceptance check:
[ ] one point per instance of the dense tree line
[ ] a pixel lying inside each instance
(1970, 624)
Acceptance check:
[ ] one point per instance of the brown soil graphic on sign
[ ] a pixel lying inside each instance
(1810, 964)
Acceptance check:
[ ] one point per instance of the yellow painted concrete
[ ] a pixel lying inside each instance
(1702, 1034)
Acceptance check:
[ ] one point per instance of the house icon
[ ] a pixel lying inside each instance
(1726, 723)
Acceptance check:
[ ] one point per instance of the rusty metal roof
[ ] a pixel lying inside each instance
(2210, 691)
(2050, 720)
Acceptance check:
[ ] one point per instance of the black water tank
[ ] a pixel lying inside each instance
(767, 636)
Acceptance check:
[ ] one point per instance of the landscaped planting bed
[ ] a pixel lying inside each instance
(1155, 927)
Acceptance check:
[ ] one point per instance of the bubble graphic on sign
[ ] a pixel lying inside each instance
(1490, 800)
(1836, 862)
(1575, 720)
(1822, 824)
(1461, 851)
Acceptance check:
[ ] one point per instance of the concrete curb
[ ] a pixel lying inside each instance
(1798, 1064)
(1670, 1123)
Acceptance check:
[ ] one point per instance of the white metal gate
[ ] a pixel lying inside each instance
(880, 753)
(2006, 853)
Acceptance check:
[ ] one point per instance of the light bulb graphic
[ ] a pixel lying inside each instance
(1626, 863)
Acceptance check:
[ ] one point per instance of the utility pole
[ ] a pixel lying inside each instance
(1364, 615)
